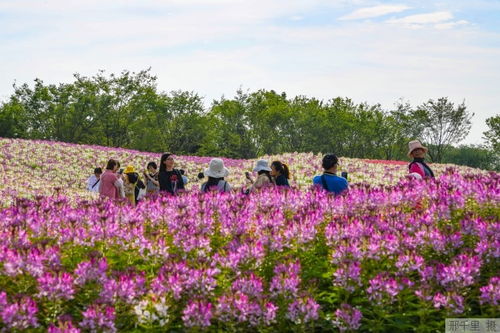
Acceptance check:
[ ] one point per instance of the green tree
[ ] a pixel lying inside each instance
(442, 125)
(492, 135)
(470, 155)
(229, 130)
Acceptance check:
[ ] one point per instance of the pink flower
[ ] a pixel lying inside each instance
(286, 280)
(303, 310)
(55, 286)
(347, 318)
(197, 314)
(91, 271)
(20, 315)
(99, 318)
(348, 276)
(490, 294)
(382, 288)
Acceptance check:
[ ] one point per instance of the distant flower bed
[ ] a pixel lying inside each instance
(393, 258)
(29, 168)
(387, 162)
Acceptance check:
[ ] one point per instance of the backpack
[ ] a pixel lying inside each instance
(324, 183)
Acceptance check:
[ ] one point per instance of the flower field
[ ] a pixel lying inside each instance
(393, 255)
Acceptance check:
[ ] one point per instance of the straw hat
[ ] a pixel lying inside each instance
(415, 144)
(216, 169)
(129, 169)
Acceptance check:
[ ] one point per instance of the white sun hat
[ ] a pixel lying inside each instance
(261, 165)
(216, 169)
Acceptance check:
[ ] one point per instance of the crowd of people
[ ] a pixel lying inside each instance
(126, 183)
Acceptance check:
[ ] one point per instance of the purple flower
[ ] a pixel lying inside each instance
(348, 276)
(55, 286)
(452, 301)
(461, 273)
(382, 288)
(92, 270)
(128, 288)
(20, 315)
(347, 318)
(251, 285)
(286, 280)
(3, 299)
(270, 313)
(303, 310)
(490, 294)
(240, 308)
(99, 318)
(13, 263)
(197, 314)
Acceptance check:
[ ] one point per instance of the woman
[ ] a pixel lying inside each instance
(264, 178)
(418, 168)
(216, 172)
(130, 179)
(170, 179)
(151, 177)
(280, 173)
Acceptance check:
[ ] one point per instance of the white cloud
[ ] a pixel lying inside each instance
(421, 19)
(450, 25)
(370, 12)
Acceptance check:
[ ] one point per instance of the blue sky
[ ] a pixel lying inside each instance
(370, 51)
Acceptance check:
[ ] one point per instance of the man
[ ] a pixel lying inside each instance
(94, 180)
(329, 179)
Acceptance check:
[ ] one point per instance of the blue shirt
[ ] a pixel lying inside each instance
(334, 183)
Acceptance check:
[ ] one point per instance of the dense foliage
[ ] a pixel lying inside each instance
(128, 110)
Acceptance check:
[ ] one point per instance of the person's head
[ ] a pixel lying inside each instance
(262, 167)
(113, 165)
(416, 150)
(330, 162)
(151, 167)
(98, 172)
(166, 162)
(201, 175)
(278, 168)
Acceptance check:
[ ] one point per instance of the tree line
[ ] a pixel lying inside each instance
(127, 110)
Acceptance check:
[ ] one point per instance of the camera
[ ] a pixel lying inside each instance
(120, 171)
(344, 174)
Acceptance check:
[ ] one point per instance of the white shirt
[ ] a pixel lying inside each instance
(90, 182)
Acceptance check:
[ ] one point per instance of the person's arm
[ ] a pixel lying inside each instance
(89, 184)
(180, 180)
(154, 181)
(119, 185)
(248, 176)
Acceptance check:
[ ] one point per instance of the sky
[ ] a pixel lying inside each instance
(369, 51)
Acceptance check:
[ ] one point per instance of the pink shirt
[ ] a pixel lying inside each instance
(415, 167)
(108, 186)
